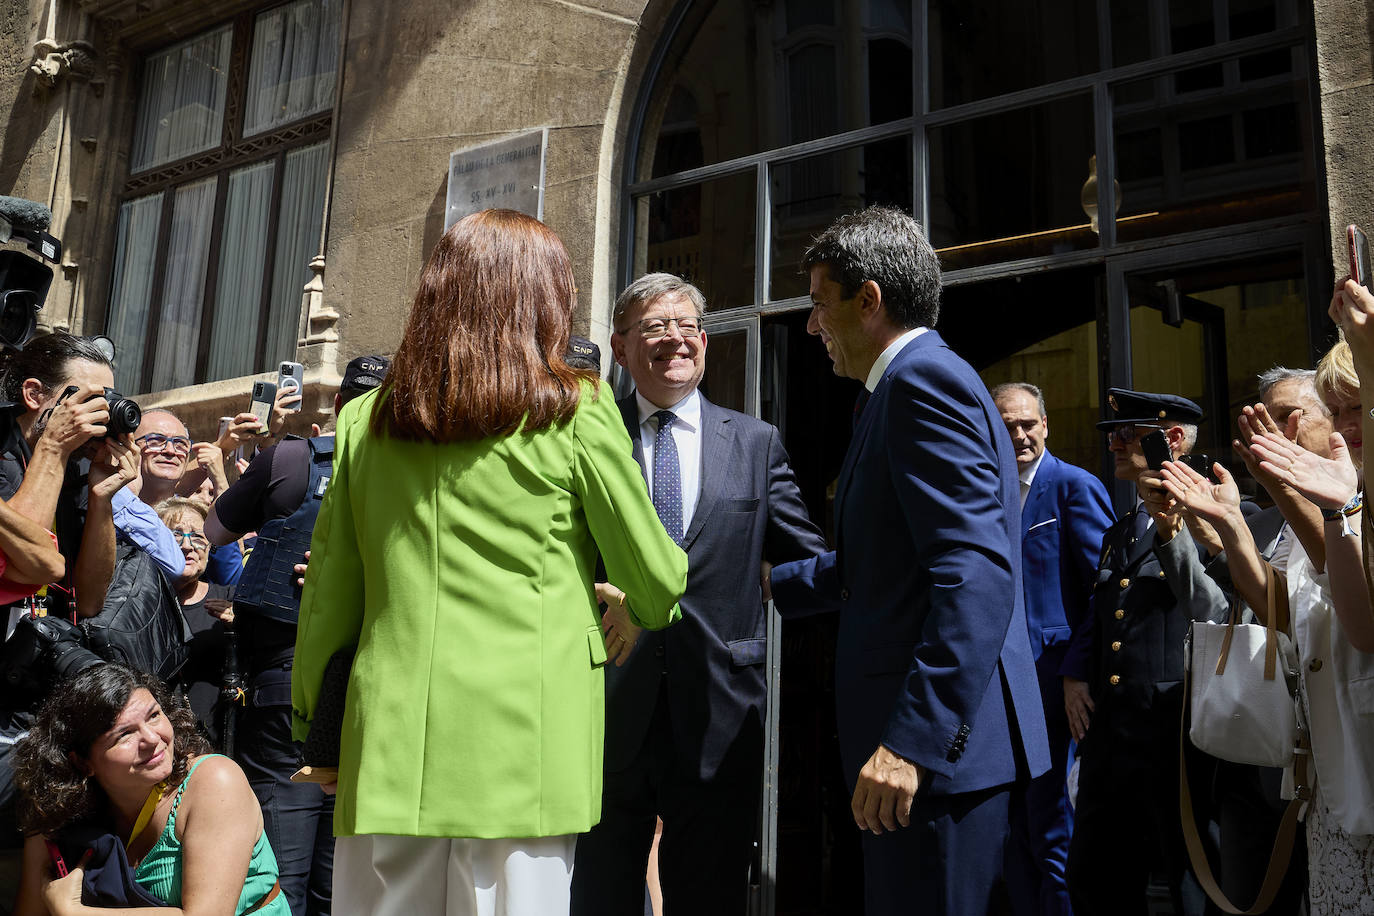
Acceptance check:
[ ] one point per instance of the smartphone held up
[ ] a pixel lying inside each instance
(1358, 250)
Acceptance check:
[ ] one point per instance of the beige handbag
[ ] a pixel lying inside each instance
(1241, 681)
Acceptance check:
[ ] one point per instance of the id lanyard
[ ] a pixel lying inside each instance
(146, 814)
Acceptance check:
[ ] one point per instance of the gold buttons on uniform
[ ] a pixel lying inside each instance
(1314, 665)
(1116, 646)
(1124, 582)
(1114, 679)
(1161, 574)
(1120, 612)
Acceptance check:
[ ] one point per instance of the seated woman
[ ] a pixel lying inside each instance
(111, 741)
(207, 611)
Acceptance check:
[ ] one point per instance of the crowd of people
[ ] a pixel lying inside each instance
(549, 610)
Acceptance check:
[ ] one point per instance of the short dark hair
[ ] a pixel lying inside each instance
(889, 247)
(45, 358)
(53, 791)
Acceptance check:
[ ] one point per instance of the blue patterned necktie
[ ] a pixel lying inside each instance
(667, 476)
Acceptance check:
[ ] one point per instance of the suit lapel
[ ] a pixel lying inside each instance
(1040, 487)
(715, 442)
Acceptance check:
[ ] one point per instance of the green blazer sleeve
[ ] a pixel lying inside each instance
(640, 557)
(331, 614)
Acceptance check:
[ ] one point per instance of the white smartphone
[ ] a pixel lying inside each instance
(291, 378)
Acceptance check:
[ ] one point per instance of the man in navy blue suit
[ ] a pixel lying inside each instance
(684, 714)
(938, 709)
(1065, 512)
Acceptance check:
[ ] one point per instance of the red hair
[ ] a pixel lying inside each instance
(484, 345)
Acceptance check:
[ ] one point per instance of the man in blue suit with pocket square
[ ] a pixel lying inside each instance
(1065, 511)
(937, 705)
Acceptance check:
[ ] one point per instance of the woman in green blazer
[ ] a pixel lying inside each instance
(456, 548)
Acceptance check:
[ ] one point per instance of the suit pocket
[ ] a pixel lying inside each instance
(1362, 695)
(596, 645)
(888, 659)
(744, 652)
(1054, 636)
(740, 505)
(1041, 529)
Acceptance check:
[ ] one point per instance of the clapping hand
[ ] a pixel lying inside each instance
(1329, 483)
(1212, 502)
(1256, 421)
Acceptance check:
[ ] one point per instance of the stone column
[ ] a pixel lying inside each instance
(1345, 70)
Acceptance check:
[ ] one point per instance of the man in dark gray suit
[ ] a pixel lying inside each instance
(685, 706)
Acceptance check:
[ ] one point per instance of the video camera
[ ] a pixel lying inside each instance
(24, 280)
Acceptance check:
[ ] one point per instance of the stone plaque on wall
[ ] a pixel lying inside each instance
(507, 173)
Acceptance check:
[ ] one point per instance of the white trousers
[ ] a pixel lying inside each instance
(427, 876)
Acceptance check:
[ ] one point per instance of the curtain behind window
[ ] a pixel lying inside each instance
(298, 241)
(294, 58)
(183, 288)
(132, 287)
(242, 258)
(181, 101)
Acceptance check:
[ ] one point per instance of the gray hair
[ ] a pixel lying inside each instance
(1189, 437)
(1002, 390)
(1271, 377)
(889, 247)
(651, 287)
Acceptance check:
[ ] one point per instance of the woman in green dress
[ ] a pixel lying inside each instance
(113, 748)
(456, 548)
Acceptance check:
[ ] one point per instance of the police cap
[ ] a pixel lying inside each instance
(1145, 407)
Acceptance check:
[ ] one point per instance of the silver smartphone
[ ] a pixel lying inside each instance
(291, 378)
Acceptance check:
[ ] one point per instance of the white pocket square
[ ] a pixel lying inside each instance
(1048, 521)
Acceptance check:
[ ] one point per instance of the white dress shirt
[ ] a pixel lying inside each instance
(885, 358)
(686, 434)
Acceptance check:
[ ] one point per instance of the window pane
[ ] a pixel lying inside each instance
(298, 241)
(809, 193)
(982, 48)
(181, 101)
(745, 77)
(131, 290)
(1232, 154)
(294, 58)
(1009, 186)
(183, 287)
(703, 233)
(242, 258)
(1143, 31)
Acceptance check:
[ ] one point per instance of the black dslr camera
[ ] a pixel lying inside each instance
(125, 414)
(41, 652)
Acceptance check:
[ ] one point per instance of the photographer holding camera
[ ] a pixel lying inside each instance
(45, 425)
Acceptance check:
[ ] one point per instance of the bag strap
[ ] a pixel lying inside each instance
(1288, 827)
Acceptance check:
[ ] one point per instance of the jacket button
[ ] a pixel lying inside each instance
(1314, 665)
(659, 652)
(1114, 679)
(844, 594)
(1124, 582)
(1161, 574)
(1120, 613)
(1116, 646)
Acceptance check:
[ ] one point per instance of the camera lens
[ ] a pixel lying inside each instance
(16, 317)
(125, 415)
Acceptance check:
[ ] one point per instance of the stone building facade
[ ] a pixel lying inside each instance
(245, 181)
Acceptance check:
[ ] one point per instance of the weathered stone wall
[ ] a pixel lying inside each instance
(429, 77)
(1345, 68)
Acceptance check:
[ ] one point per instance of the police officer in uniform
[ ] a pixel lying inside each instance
(279, 496)
(1123, 678)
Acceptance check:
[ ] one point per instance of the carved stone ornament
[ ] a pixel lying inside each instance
(52, 60)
